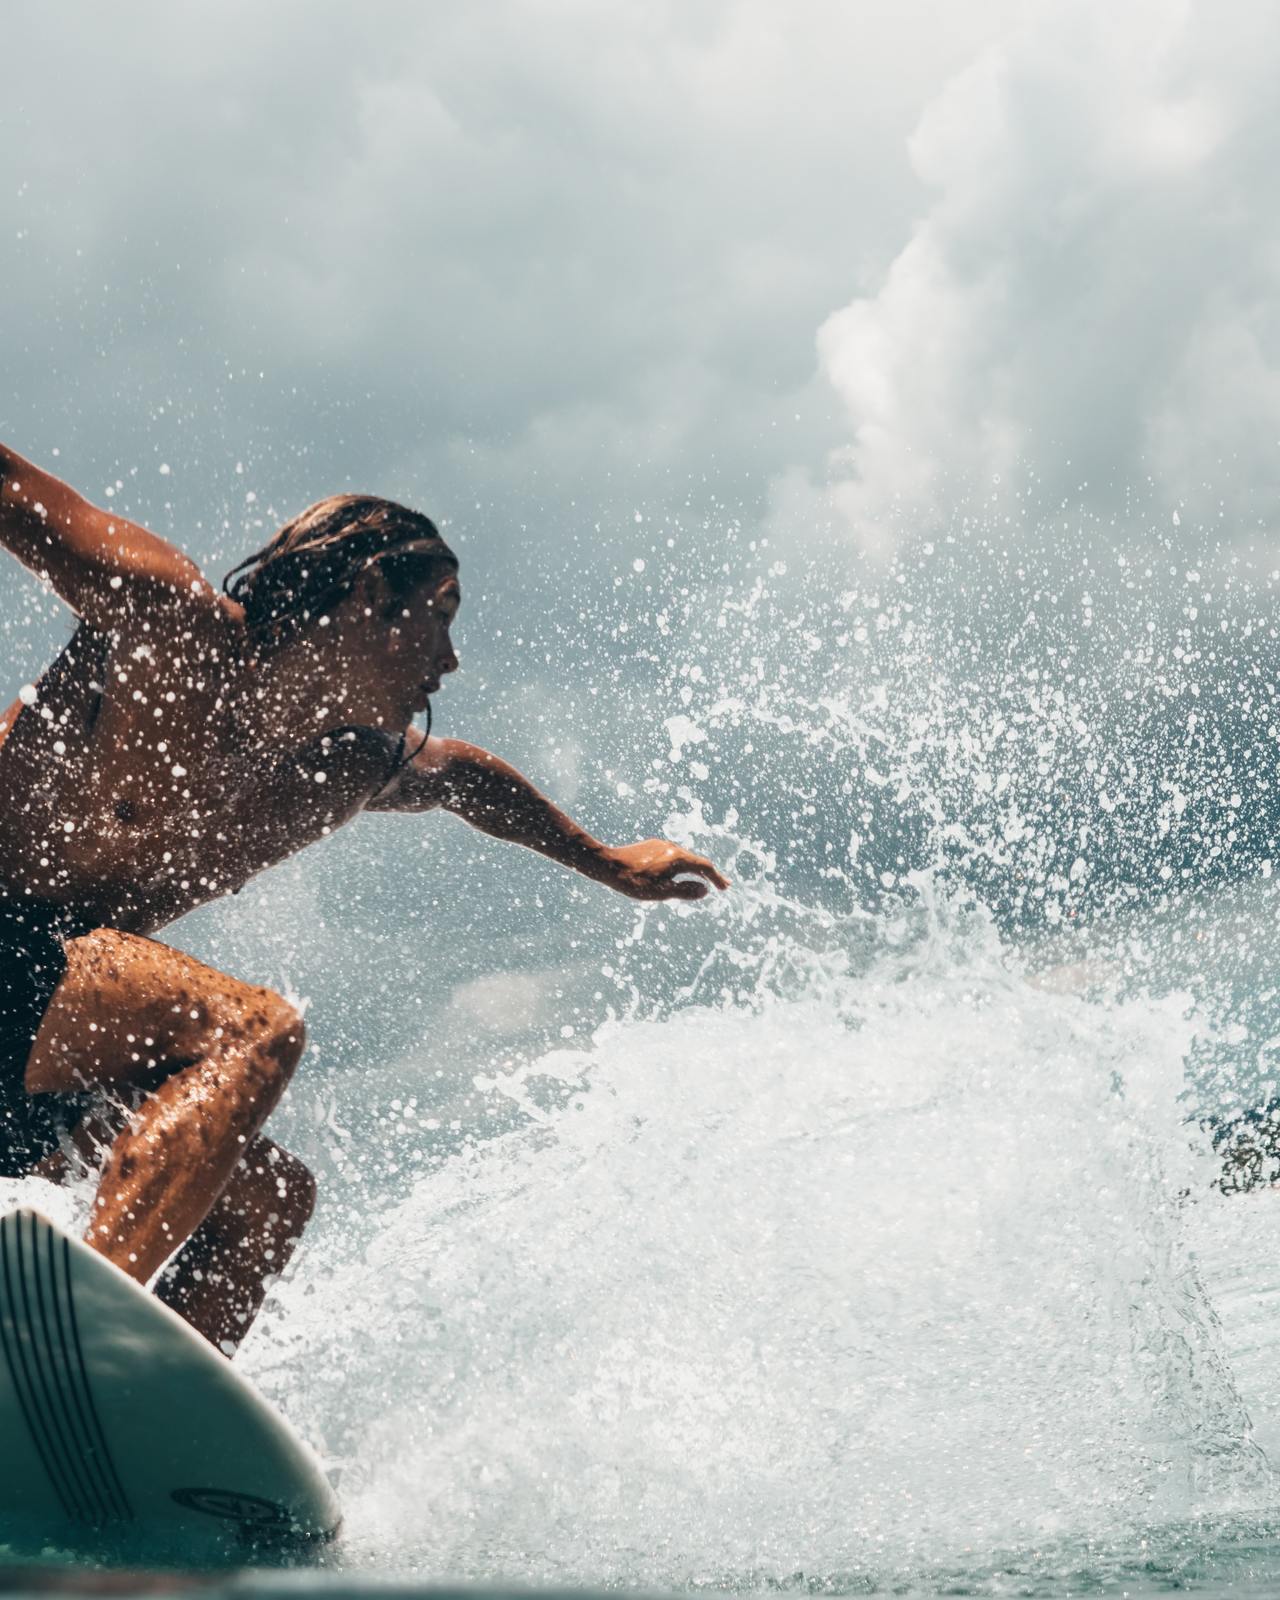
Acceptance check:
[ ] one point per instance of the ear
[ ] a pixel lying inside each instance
(371, 592)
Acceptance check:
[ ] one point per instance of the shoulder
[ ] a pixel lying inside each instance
(371, 753)
(343, 770)
(200, 624)
(417, 779)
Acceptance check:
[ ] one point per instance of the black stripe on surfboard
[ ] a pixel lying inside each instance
(16, 1356)
(9, 1336)
(54, 1405)
(99, 1450)
(61, 1377)
(70, 1371)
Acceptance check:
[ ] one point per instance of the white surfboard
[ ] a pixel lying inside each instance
(117, 1418)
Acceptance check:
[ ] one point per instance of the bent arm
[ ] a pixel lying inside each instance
(485, 791)
(93, 559)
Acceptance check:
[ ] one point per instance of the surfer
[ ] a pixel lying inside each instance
(182, 741)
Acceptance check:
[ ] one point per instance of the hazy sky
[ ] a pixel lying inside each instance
(514, 261)
(537, 262)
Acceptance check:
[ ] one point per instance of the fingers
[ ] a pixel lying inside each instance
(688, 888)
(699, 865)
(709, 871)
(672, 889)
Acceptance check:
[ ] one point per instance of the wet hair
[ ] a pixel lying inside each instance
(315, 560)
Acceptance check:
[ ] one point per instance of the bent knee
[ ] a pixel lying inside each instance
(274, 1029)
(287, 1035)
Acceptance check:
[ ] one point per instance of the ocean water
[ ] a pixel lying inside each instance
(864, 1231)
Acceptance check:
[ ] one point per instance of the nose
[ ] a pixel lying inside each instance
(447, 662)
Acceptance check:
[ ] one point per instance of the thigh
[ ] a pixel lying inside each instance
(127, 1008)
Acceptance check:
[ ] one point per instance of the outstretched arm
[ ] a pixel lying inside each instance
(492, 796)
(94, 559)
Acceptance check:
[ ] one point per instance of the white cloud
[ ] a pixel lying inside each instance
(1091, 298)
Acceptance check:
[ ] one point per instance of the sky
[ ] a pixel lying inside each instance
(539, 263)
(527, 264)
(577, 277)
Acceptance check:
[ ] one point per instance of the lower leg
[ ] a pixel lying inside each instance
(178, 1150)
(218, 1280)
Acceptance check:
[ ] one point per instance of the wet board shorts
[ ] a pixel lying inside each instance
(32, 961)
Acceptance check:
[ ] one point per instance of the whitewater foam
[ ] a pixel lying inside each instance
(857, 1278)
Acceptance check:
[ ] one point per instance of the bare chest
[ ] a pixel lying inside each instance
(136, 782)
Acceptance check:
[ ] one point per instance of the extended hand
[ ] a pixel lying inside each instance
(656, 870)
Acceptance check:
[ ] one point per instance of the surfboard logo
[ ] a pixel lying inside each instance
(233, 1505)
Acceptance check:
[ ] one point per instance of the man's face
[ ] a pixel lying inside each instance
(394, 648)
(420, 640)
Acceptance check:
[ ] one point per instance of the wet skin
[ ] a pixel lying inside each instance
(167, 758)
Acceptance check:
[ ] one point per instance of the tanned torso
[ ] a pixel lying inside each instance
(140, 783)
